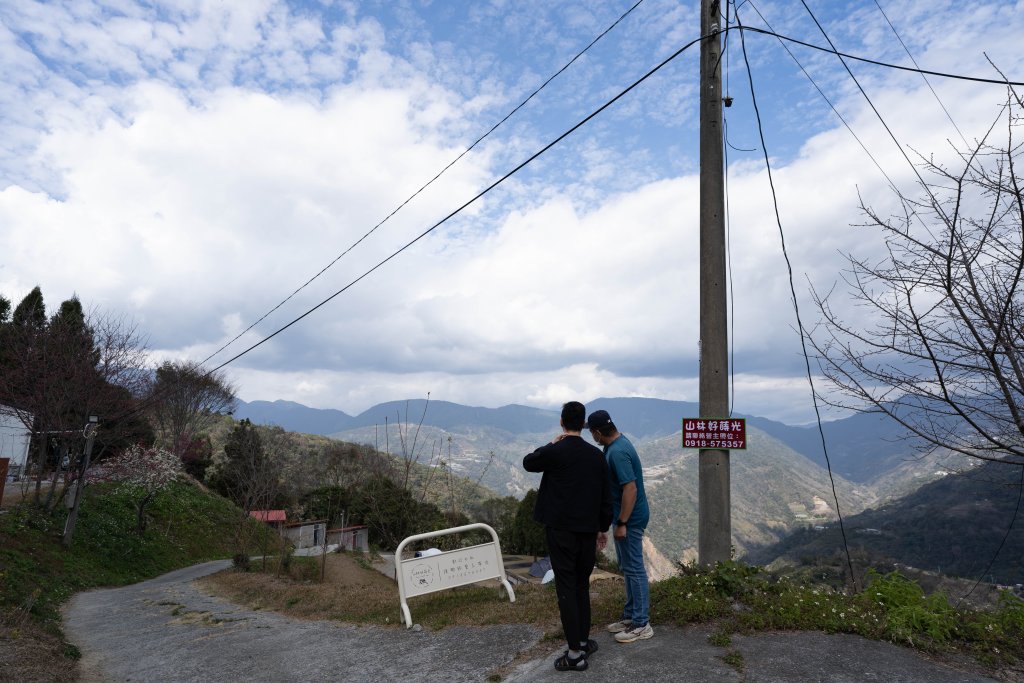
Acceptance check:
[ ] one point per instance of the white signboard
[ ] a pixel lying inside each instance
(422, 575)
(453, 568)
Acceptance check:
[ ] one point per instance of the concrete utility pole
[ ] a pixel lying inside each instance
(715, 527)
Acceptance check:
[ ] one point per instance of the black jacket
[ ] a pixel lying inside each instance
(574, 493)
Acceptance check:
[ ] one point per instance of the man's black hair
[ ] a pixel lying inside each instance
(606, 430)
(574, 415)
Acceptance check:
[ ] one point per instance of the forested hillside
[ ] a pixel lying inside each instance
(953, 526)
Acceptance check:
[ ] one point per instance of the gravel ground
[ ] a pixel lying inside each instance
(168, 630)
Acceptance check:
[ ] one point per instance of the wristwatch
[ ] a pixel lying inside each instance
(619, 522)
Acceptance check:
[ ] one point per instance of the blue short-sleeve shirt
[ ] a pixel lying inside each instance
(624, 467)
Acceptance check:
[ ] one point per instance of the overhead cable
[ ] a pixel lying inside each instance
(868, 60)
(935, 202)
(923, 76)
(458, 210)
(796, 305)
(431, 181)
(825, 97)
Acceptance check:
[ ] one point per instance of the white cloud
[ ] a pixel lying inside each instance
(194, 163)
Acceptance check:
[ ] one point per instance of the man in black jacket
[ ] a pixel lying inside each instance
(574, 505)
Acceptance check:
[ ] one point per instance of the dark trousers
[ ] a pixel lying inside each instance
(572, 559)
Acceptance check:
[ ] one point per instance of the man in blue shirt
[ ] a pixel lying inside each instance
(630, 515)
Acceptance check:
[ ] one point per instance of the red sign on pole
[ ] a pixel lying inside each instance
(719, 434)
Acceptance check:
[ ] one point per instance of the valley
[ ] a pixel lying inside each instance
(780, 483)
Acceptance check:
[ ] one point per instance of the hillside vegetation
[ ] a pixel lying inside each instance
(779, 484)
(952, 526)
(187, 525)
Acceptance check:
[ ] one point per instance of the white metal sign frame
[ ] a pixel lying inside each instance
(422, 575)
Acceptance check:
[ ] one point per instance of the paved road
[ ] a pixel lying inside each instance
(166, 630)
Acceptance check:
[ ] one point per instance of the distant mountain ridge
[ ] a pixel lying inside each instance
(861, 447)
(644, 418)
(779, 484)
(296, 417)
(293, 417)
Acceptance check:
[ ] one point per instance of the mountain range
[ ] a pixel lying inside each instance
(780, 483)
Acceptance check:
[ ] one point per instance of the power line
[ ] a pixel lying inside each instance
(923, 76)
(532, 158)
(789, 267)
(469, 202)
(546, 82)
(868, 60)
(827, 100)
(731, 329)
(728, 267)
(431, 181)
(796, 305)
(935, 202)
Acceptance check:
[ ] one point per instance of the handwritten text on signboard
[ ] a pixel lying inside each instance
(724, 434)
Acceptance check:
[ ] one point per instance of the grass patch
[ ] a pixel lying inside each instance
(736, 598)
(734, 658)
(354, 592)
(720, 639)
(740, 598)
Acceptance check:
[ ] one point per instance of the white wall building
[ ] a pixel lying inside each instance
(14, 437)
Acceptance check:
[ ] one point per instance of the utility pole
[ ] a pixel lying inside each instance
(69, 526)
(714, 526)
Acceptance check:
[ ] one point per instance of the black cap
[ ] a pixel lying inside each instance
(598, 419)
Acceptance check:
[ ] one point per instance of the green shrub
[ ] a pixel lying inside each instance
(909, 613)
(1011, 613)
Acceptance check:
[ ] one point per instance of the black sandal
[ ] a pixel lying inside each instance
(565, 663)
(590, 648)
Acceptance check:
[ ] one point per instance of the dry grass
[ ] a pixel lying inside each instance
(354, 592)
(31, 654)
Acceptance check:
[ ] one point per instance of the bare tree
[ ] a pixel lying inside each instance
(410, 456)
(186, 399)
(944, 354)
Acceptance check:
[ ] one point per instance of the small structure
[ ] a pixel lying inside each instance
(351, 538)
(15, 438)
(305, 534)
(274, 518)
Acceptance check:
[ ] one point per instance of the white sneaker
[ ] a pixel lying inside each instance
(619, 626)
(630, 634)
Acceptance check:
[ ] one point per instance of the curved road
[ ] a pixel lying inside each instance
(166, 630)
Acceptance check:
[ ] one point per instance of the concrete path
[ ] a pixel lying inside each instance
(686, 655)
(167, 630)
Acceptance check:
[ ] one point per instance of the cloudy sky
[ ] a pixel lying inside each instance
(192, 164)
